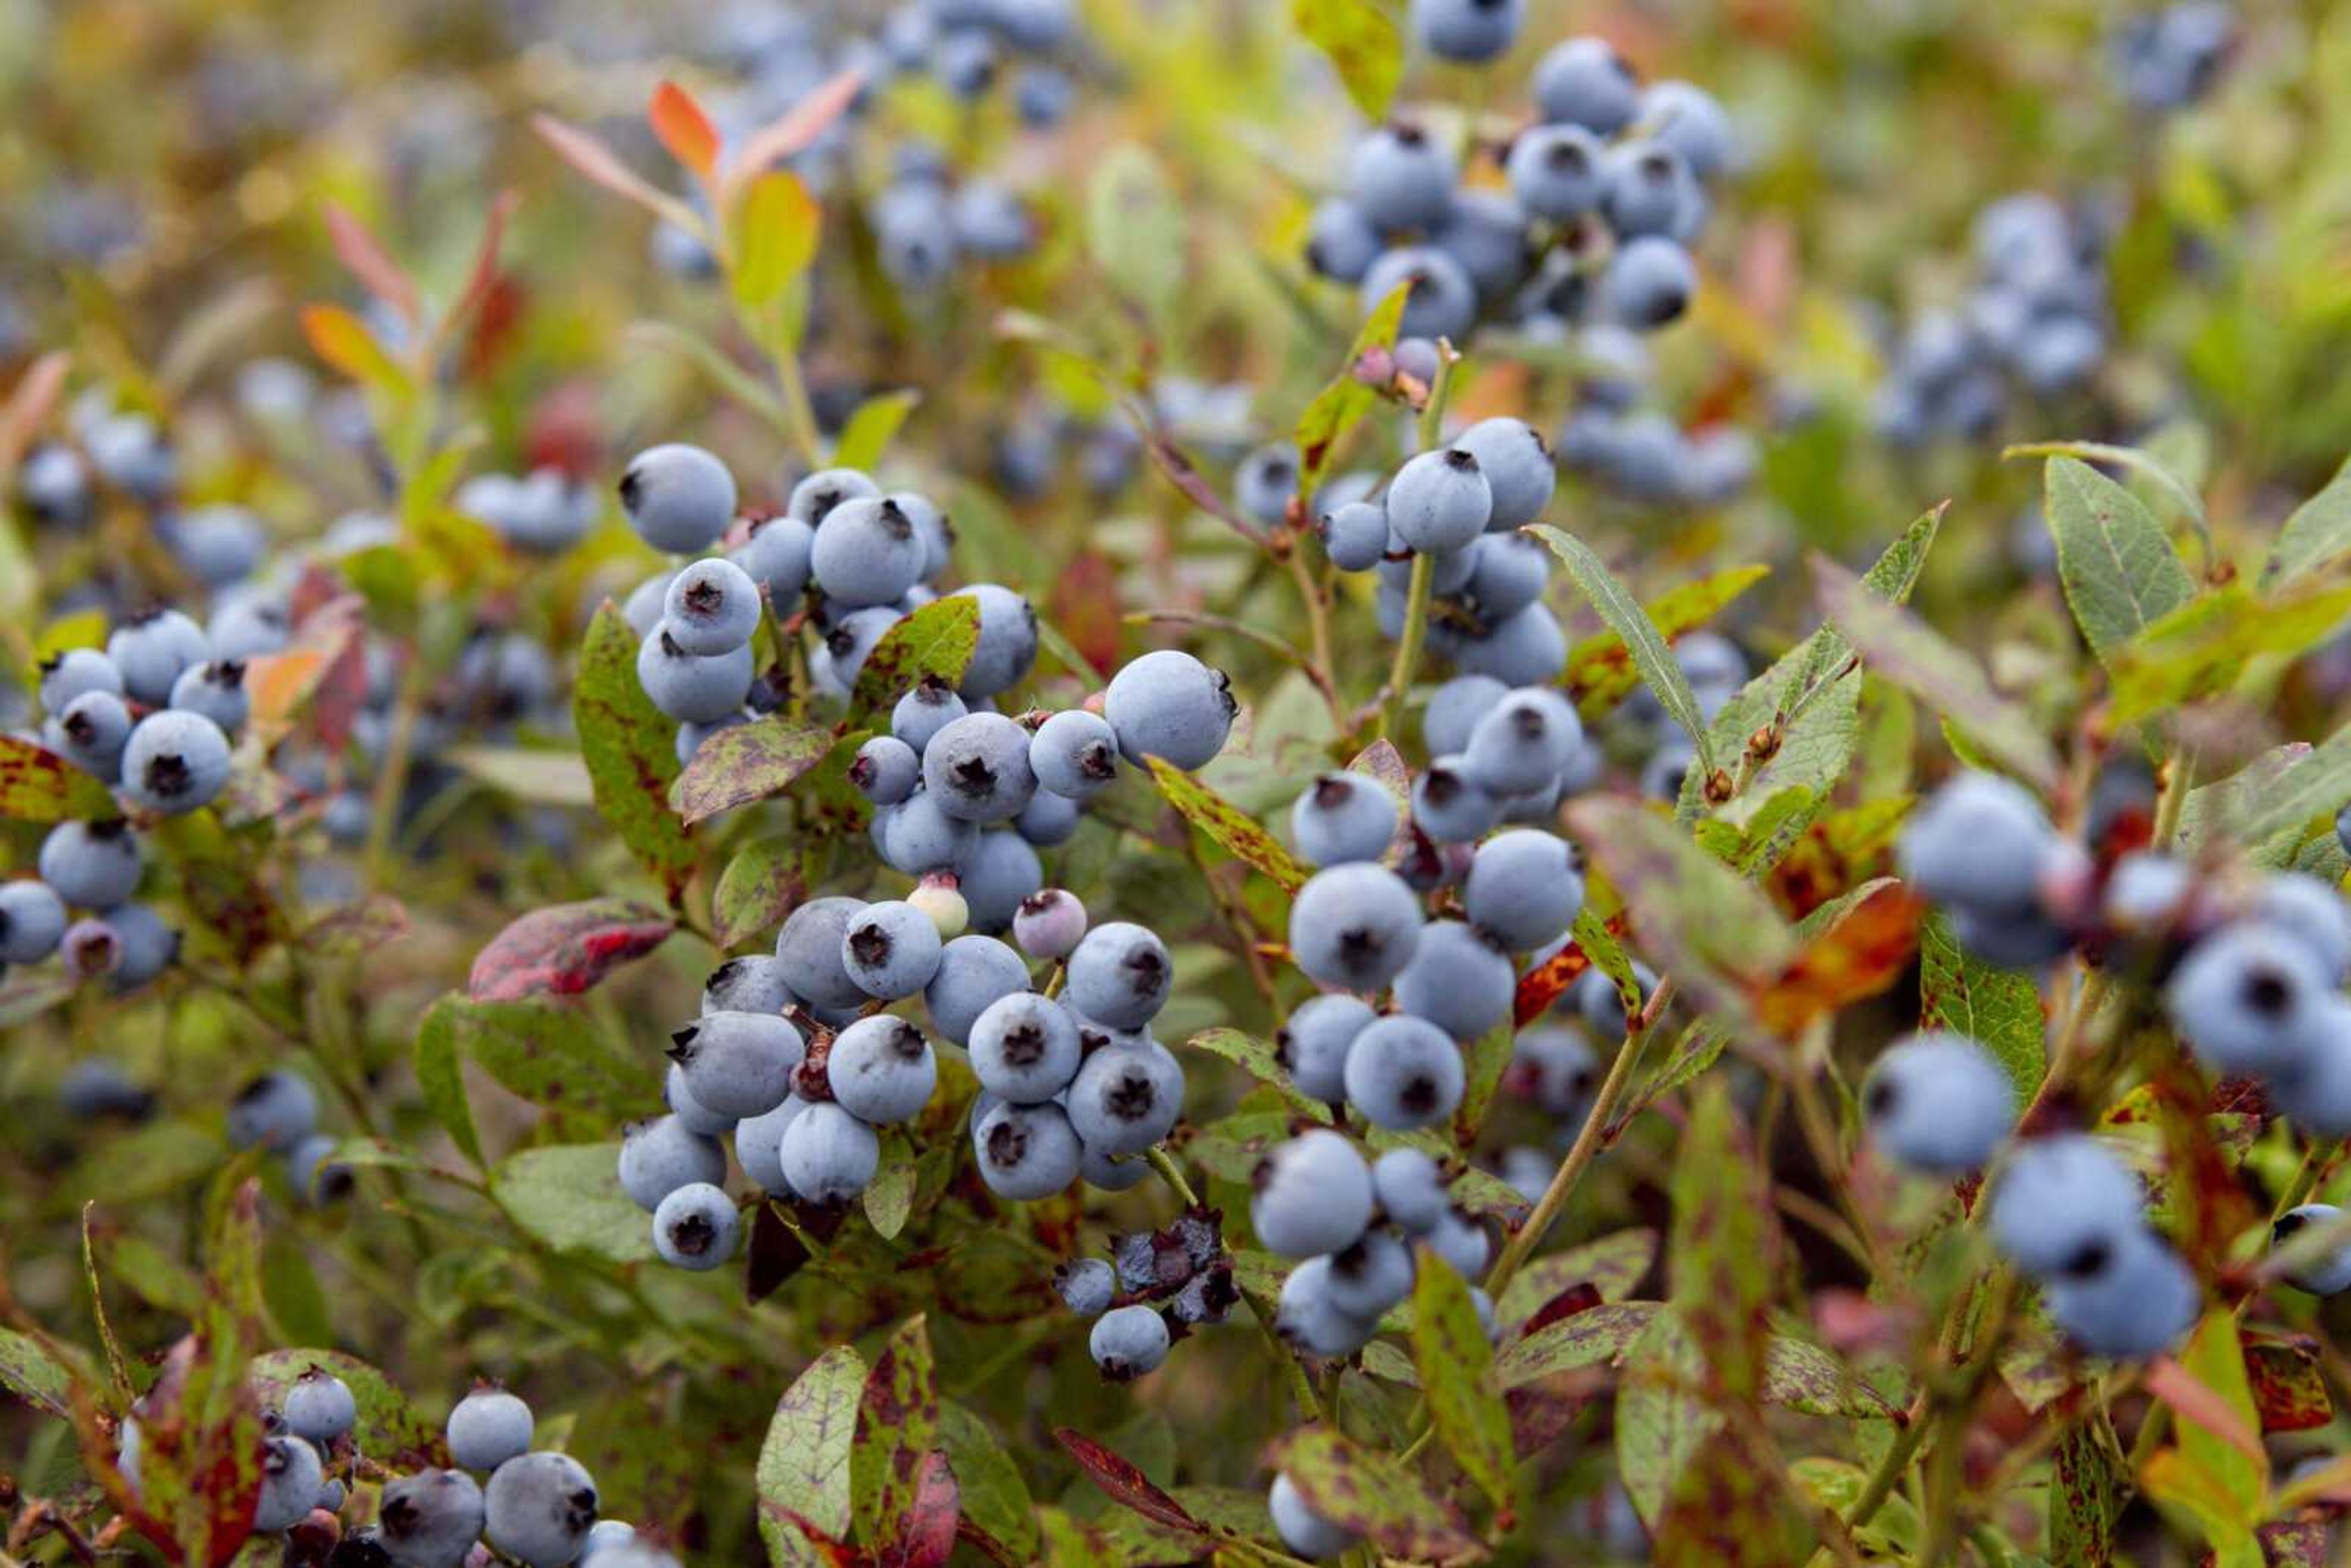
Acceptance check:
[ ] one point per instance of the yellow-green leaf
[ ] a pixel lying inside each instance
(1230, 827)
(1363, 41)
(1456, 1363)
(776, 235)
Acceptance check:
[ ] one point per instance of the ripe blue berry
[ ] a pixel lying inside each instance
(1524, 888)
(1128, 1341)
(1524, 742)
(1074, 753)
(487, 1428)
(751, 984)
(1454, 710)
(1648, 188)
(1648, 283)
(890, 950)
(927, 708)
(1555, 170)
(775, 556)
(1981, 841)
(1120, 975)
(1410, 1188)
(1522, 650)
(1449, 806)
(738, 1064)
(319, 1406)
(2311, 911)
(2315, 1091)
(1002, 869)
(1086, 1285)
(77, 670)
(91, 734)
(827, 1155)
(759, 1144)
(881, 1069)
(2063, 1207)
(1303, 1531)
(291, 1474)
(974, 973)
(711, 607)
(1313, 1044)
(814, 497)
(432, 1518)
(1939, 1102)
(31, 920)
(867, 552)
(1126, 1097)
(1342, 817)
(1027, 1151)
(1404, 1072)
(215, 689)
(1265, 481)
(275, 1111)
(1400, 177)
(1462, 1243)
(1470, 31)
(1354, 926)
(1440, 500)
(1310, 1196)
(175, 762)
(679, 499)
(1340, 243)
(151, 649)
(1354, 536)
(1008, 642)
(2137, 1302)
(2326, 1275)
(1371, 1275)
(976, 768)
(659, 1156)
(698, 1118)
(2246, 999)
(689, 687)
(916, 837)
(1025, 1047)
(885, 771)
(1168, 704)
(808, 948)
(1305, 1317)
(1443, 301)
(1584, 81)
(1457, 980)
(696, 1227)
(539, 1508)
(1686, 118)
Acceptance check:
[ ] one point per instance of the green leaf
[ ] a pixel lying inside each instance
(568, 1197)
(937, 641)
(1724, 1244)
(2317, 535)
(869, 430)
(1341, 404)
(29, 1372)
(1256, 1057)
(889, 1197)
(776, 237)
(553, 1057)
(631, 749)
(2119, 572)
(1226, 824)
(1725, 1511)
(995, 1497)
(1455, 1363)
(1600, 671)
(804, 1462)
(2202, 648)
(1373, 1494)
(1363, 41)
(1615, 1266)
(1998, 1009)
(2223, 1442)
(2160, 473)
(897, 1425)
(541, 776)
(1136, 231)
(2087, 1491)
(1595, 1336)
(37, 785)
(2278, 791)
(387, 1423)
(760, 886)
(1625, 616)
(744, 763)
(1902, 648)
(1833, 1484)
(1802, 1376)
(1660, 1421)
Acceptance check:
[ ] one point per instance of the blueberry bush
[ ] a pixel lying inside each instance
(1005, 781)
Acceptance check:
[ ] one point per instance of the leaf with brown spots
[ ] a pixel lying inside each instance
(1597, 1337)
(1725, 1511)
(937, 639)
(373, 922)
(1124, 1483)
(1455, 1363)
(1998, 1009)
(554, 1057)
(1612, 1265)
(2289, 1387)
(1549, 980)
(565, 950)
(631, 749)
(1256, 1057)
(1374, 1495)
(2085, 1495)
(37, 785)
(803, 1467)
(760, 886)
(1722, 1258)
(1231, 827)
(1862, 951)
(926, 1537)
(747, 763)
(897, 1428)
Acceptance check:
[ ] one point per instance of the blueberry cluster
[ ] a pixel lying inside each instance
(1614, 439)
(279, 1112)
(1156, 1286)
(2169, 58)
(1601, 197)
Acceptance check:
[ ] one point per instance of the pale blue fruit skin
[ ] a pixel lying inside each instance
(1649, 187)
(1440, 500)
(1087, 1286)
(1457, 980)
(74, 671)
(2058, 1197)
(1304, 1531)
(1126, 1097)
(175, 762)
(1979, 841)
(1025, 1047)
(1000, 870)
(1512, 571)
(881, 1069)
(151, 651)
(1027, 1151)
(487, 1428)
(215, 690)
(711, 607)
(886, 770)
(1314, 1196)
(738, 1064)
(432, 1519)
(659, 1156)
(91, 734)
(1008, 642)
(821, 491)
(808, 947)
(1342, 817)
(690, 687)
(2316, 1095)
(836, 663)
(774, 555)
(1470, 31)
(1648, 283)
(643, 609)
(1305, 1317)
(759, 1144)
(1523, 742)
(1410, 1188)
(1449, 806)
(1313, 1044)
(922, 711)
(290, 1477)
(1120, 975)
(147, 947)
(698, 1117)
(866, 553)
(2312, 912)
(827, 1155)
(1444, 299)
(916, 837)
(539, 1508)
(1939, 1102)
(1111, 1173)
(1523, 888)
(1355, 536)
(750, 983)
(1562, 1066)
(1554, 170)
(1340, 243)
(319, 1406)
(1128, 1341)
(2328, 1275)
(1354, 926)
(1074, 753)
(32, 919)
(1265, 481)
(608, 1534)
(974, 971)
(1400, 178)
(890, 950)
(1462, 1243)
(276, 1110)
(1522, 650)
(1048, 819)
(678, 498)
(1168, 704)
(1688, 120)
(1371, 1275)
(1582, 81)
(696, 1227)
(2248, 999)
(1403, 1073)
(2139, 1305)
(1454, 710)
(976, 768)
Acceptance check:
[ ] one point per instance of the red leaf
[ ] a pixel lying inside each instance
(565, 950)
(1580, 1297)
(2289, 1389)
(683, 129)
(1868, 949)
(822, 1547)
(1125, 1484)
(1548, 981)
(485, 270)
(2193, 1400)
(1084, 605)
(927, 1536)
(29, 406)
(364, 258)
(794, 130)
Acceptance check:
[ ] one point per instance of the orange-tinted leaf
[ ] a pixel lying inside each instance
(795, 129)
(38, 786)
(1549, 980)
(481, 277)
(364, 258)
(1865, 950)
(1124, 1483)
(1084, 604)
(2289, 1388)
(1230, 827)
(29, 406)
(684, 129)
(926, 1537)
(590, 157)
(565, 950)
(342, 340)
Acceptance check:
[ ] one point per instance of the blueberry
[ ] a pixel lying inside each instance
(808, 947)
(2137, 1302)
(814, 497)
(1007, 641)
(2247, 1000)
(974, 973)
(1404, 1072)
(1486, 232)
(679, 499)
(539, 1508)
(1120, 975)
(1354, 926)
(1086, 1286)
(1449, 572)
(1556, 1068)
(1443, 300)
(1688, 118)
(931, 525)
(751, 984)
(56, 484)
(1648, 283)
(2009, 939)
(690, 687)
(885, 771)
(1440, 500)
(151, 649)
(775, 556)
(1340, 243)
(1265, 481)
(91, 734)
(1410, 1188)
(1462, 1243)
(2063, 1207)
(312, 1171)
(2311, 911)
(1981, 841)
(1126, 1097)
(1584, 81)
(644, 607)
(1522, 650)
(867, 552)
(614, 1535)
(696, 1116)
(1002, 870)
(144, 946)
(1043, 95)
(1646, 188)
(1400, 177)
(916, 837)
(275, 1111)
(1523, 742)
(834, 665)
(1025, 1047)
(215, 690)
(991, 222)
(977, 770)
(927, 708)
(1371, 1275)
(881, 1069)
(1555, 170)
(90, 949)
(31, 920)
(827, 1155)
(696, 1227)
(319, 1406)
(1305, 1317)
(1111, 1173)
(1128, 1341)
(1937, 1102)
(2315, 1092)
(1303, 1531)
(1027, 1151)
(175, 762)
(1342, 817)
(738, 1064)
(1449, 805)
(1074, 753)
(1454, 710)
(2327, 1275)
(1457, 980)
(290, 1477)
(659, 1156)
(1313, 1044)
(432, 1518)
(1168, 704)
(1524, 888)
(1471, 31)
(1050, 924)
(711, 607)
(1601, 1006)
(1354, 536)
(1310, 1196)
(77, 670)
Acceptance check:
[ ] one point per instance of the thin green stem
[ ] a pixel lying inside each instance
(1407, 654)
(1172, 1173)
